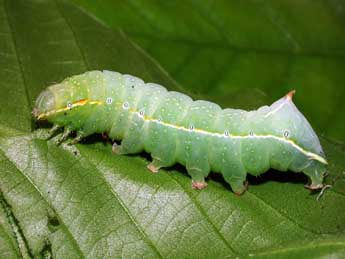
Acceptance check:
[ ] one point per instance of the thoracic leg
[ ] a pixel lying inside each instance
(65, 135)
(79, 137)
(53, 129)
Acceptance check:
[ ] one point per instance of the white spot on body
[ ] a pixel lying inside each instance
(109, 100)
(125, 105)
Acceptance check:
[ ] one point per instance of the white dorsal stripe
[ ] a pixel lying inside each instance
(275, 110)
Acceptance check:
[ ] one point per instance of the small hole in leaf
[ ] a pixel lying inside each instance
(54, 222)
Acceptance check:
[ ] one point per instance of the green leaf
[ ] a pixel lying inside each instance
(83, 201)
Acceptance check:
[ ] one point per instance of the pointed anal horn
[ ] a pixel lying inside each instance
(290, 94)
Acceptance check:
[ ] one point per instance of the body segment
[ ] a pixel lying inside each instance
(175, 129)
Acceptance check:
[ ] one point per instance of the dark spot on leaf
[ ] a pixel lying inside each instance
(53, 221)
(46, 251)
(14, 224)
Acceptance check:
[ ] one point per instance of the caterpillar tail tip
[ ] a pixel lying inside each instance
(290, 94)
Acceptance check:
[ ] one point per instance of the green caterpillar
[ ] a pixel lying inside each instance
(176, 129)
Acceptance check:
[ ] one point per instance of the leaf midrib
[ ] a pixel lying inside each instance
(304, 246)
(19, 62)
(48, 203)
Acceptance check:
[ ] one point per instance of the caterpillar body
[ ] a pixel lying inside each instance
(175, 129)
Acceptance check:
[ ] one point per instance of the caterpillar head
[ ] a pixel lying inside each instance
(45, 103)
(54, 101)
(294, 128)
(59, 101)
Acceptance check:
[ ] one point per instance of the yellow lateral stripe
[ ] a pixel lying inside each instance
(81, 102)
